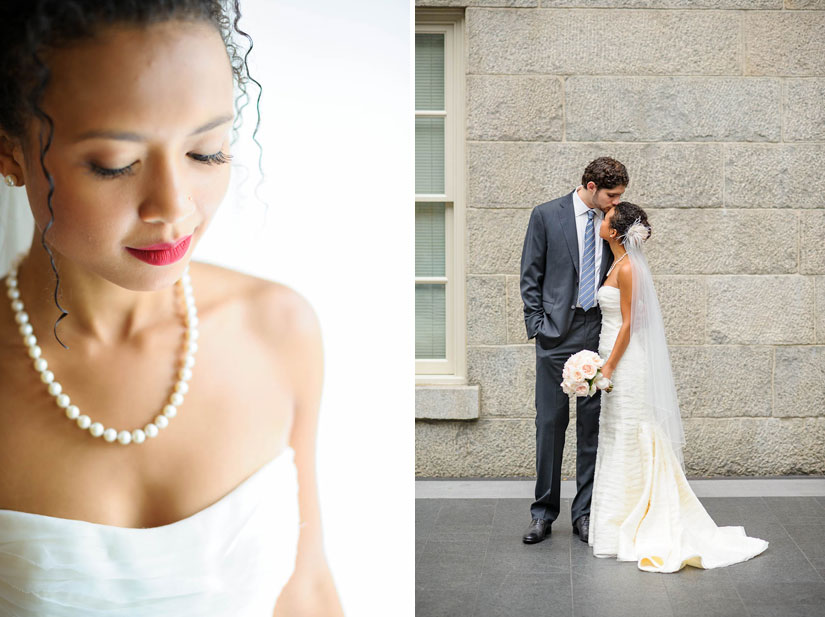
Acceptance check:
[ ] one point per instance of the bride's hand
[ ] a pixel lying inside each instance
(607, 371)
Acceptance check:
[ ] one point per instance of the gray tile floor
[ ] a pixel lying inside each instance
(471, 562)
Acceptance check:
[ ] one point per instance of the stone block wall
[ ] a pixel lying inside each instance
(717, 108)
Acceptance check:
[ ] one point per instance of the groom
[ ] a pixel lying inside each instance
(563, 264)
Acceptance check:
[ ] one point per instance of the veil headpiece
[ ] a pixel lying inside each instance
(647, 328)
(16, 225)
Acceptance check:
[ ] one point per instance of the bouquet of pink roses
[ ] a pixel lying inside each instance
(582, 376)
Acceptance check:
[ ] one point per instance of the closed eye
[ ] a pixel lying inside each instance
(106, 172)
(219, 158)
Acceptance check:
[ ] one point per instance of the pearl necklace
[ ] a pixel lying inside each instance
(615, 263)
(84, 422)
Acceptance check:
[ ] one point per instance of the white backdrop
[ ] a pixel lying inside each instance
(336, 134)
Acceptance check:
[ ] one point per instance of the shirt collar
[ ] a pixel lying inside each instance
(581, 207)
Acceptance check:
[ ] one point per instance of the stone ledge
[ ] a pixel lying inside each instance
(447, 402)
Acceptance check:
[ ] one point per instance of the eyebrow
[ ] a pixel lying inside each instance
(128, 136)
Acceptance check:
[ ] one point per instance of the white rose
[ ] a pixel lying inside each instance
(582, 390)
(589, 370)
(598, 361)
(577, 374)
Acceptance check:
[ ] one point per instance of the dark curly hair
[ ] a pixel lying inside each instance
(625, 214)
(30, 29)
(606, 173)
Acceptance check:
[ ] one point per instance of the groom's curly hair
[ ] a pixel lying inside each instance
(33, 30)
(606, 173)
(625, 214)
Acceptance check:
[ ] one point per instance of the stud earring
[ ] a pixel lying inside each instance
(11, 180)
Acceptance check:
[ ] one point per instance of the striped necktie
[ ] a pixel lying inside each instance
(587, 289)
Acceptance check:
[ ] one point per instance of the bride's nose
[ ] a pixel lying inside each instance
(166, 199)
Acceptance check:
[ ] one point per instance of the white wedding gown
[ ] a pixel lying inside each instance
(232, 558)
(643, 508)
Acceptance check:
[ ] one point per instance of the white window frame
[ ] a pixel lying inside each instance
(454, 368)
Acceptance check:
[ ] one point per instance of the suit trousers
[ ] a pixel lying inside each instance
(553, 416)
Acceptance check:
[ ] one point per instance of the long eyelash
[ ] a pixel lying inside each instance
(219, 158)
(110, 173)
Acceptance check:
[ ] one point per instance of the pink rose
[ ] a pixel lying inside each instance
(577, 374)
(582, 390)
(589, 370)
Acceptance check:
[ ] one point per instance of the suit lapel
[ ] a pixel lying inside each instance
(567, 221)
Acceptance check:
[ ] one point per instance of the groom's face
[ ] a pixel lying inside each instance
(605, 199)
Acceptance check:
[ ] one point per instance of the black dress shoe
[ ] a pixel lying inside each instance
(538, 530)
(582, 527)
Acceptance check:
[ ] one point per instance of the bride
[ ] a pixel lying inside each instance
(643, 508)
(159, 416)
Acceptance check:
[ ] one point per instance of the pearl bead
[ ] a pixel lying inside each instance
(30, 340)
(47, 377)
(189, 361)
(96, 429)
(72, 412)
(124, 437)
(13, 293)
(11, 281)
(176, 399)
(185, 374)
(192, 322)
(191, 347)
(26, 329)
(55, 388)
(181, 387)
(34, 352)
(151, 430)
(138, 436)
(63, 401)
(161, 421)
(110, 435)
(191, 335)
(21, 317)
(170, 411)
(84, 421)
(16, 305)
(40, 365)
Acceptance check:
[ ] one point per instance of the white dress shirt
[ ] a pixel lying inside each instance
(581, 211)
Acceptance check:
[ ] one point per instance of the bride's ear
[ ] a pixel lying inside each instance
(11, 157)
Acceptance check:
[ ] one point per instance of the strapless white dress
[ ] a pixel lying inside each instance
(232, 558)
(643, 508)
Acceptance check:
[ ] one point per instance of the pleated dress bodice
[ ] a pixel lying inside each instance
(232, 558)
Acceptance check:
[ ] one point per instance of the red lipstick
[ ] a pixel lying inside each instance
(162, 254)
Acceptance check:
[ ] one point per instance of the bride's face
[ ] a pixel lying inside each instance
(605, 230)
(141, 126)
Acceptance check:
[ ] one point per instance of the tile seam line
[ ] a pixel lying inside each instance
(799, 548)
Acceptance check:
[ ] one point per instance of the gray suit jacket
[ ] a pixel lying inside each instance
(550, 270)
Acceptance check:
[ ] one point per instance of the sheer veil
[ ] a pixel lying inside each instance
(647, 327)
(16, 225)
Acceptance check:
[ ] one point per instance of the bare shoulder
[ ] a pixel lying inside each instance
(274, 313)
(624, 274)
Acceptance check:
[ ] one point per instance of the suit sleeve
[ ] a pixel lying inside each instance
(533, 259)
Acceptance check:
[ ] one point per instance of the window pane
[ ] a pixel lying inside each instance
(429, 239)
(429, 71)
(430, 322)
(429, 155)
